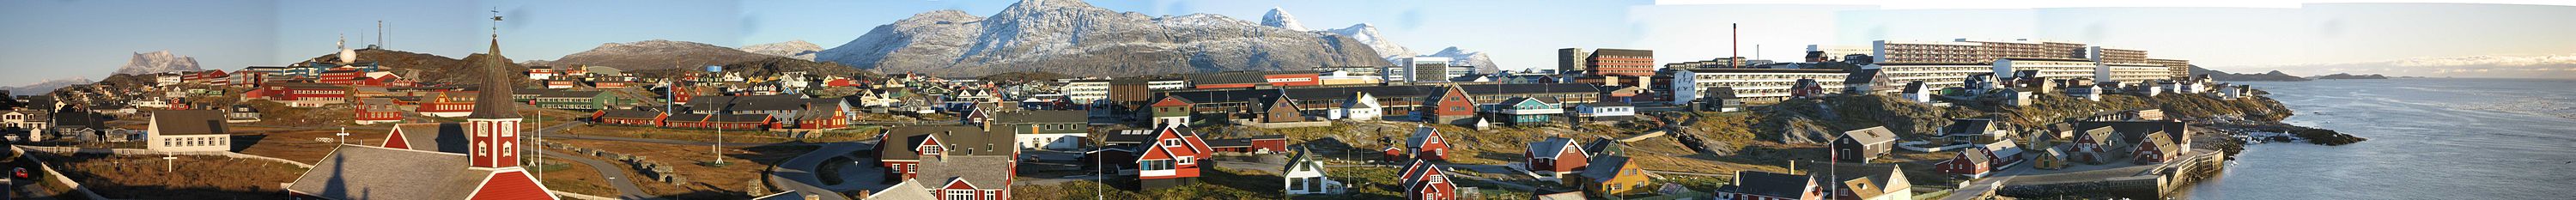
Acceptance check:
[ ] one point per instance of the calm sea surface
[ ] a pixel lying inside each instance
(2429, 139)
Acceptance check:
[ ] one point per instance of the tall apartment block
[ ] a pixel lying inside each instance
(2179, 69)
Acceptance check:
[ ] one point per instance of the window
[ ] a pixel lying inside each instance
(961, 195)
(1187, 160)
(1175, 142)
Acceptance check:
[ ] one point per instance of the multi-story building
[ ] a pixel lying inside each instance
(2178, 69)
(1933, 75)
(2047, 68)
(1830, 53)
(1925, 52)
(1972, 50)
(1086, 91)
(2131, 73)
(1608, 62)
(1429, 69)
(1752, 85)
(2120, 56)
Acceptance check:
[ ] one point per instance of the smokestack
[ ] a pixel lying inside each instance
(1734, 40)
(380, 33)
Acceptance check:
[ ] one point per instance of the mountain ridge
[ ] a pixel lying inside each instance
(1074, 38)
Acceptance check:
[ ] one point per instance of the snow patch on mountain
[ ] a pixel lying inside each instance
(798, 49)
(1367, 34)
(1280, 18)
(1072, 37)
(1460, 57)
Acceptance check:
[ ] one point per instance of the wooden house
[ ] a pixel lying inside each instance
(1757, 185)
(1864, 145)
(1305, 175)
(1425, 181)
(1611, 176)
(1555, 157)
(1427, 143)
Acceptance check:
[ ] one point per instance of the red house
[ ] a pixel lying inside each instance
(1171, 160)
(719, 121)
(1452, 106)
(1975, 162)
(374, 110)
(447, 103)
(1556, 157)
(1424, 181)
(2156, 149)
(629, 117)
(1427, 144)
(1255, 144)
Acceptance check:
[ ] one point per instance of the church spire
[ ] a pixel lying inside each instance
(493, 102)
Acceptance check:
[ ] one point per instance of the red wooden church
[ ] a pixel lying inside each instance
(488, 168)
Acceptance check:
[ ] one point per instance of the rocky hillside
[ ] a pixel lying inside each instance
(1818, 120)
(798, 49)
(1073, 37)
(431, 69)
(157, 62)
(1459, 57)
(656, 54)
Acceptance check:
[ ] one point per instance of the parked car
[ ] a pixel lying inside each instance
(20, 172)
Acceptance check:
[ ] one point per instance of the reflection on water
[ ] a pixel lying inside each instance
(2429, 139)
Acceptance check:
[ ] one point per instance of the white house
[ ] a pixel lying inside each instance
(1605, 111)
(1364, 107)
(1918, 92)
(188, 130)
(1306, 175)
(2088, 92)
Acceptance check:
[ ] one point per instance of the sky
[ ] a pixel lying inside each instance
(50, 39)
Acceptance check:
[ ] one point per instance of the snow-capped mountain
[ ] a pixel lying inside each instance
(656, 54)
(45, 86)
(1073, 37)
(1459, 57)
(1367, 34)
(1281, 19)
(157, 62)
(798, 49)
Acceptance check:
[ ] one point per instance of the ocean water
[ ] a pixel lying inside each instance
(2429, 139)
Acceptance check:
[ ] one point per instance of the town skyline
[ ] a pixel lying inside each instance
(252, 34)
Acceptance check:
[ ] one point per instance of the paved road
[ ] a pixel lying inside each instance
(561, 127)
(798, 173)
(616, 175)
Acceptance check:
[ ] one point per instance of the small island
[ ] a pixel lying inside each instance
(2350, 76)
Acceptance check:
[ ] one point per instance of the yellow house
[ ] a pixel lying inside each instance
(1613, 175)
(2051, 158)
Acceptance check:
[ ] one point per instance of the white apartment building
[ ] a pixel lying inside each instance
(1086, 91)
(2049, 68)
(2130, 73)
(1751, 85)
(1933, 75)
(1173, 84)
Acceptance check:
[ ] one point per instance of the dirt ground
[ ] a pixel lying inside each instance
(705, 182)
(196, 177)
(306, 146)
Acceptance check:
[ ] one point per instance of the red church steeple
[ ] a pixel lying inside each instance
(494, 125)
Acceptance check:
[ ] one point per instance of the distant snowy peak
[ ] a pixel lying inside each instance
(1072, 37)
(1459, 57)
(45, 86)
(1367, 34)
(157, 62)
(1280, 18)
(798, 49)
